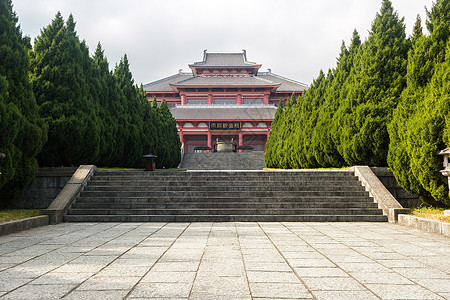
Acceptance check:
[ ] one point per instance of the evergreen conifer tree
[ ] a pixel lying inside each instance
(420, 125)
(106, 94)
(374, 88)
(325, 138)
(417, 30)
(310, 111)
(272, 141)
(131, 118)
(60, 72)
(169, 151)
(22, 131)
(342, 117)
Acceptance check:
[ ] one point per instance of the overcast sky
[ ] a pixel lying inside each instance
(295, 38)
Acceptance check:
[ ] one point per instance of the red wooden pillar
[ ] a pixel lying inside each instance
(209, 141)
(210, 100)
(241, 140)
(181, 134)
(266, 99)
(239, 99)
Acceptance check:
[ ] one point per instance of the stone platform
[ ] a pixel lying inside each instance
(224, 261)
(224, 161)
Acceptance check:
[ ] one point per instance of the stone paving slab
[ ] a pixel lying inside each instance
(224, 261)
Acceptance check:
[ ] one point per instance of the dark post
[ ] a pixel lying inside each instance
(2, 155)
(150, 162)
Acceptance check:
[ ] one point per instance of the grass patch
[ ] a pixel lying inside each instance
(316, 169)
(117, 168)
(430, 213)
(17, 214)
(134, 169)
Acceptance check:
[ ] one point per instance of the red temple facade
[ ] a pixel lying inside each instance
(224, 98)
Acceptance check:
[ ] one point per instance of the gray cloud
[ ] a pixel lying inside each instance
(295, 38)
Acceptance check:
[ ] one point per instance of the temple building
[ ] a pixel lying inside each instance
(224, 98)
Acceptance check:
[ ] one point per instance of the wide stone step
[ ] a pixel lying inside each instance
(226, 211)
(221, 198)
(225, 218)
(223, 189)
(242, 193)
(235, 205)
(210, 172)
(181, 183)
(232, 174)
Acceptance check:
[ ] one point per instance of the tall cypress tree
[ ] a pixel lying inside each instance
(272, 141)
(417, 30)
(420, 125)
(63, 94)
(286, 136)
(131, 118)
(342, 117)
(310, 112)
(169, 154)
(22, 131)
(326, 135)
(374, 87)
(104, 90)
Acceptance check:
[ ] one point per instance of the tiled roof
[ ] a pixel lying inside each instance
(287, 85)
(213, 112)
(163, 85)
(225, 81)
(224, 60)
(263, 79)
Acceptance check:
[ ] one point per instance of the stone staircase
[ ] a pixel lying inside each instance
(224, 161)
(223, 196)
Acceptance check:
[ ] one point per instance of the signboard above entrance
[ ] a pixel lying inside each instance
(225, 125)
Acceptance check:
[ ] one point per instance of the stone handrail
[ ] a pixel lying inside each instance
(390, 206)
(70, 192)
(182, 155)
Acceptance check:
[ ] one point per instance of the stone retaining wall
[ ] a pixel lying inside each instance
(403, 197)
(19, 225)
(425, 224)
(47, 185)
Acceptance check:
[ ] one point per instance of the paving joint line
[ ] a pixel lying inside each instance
(50, 252)
(321, 253)
(390, 268)
(243, 260)
(287, 262)
(201, 258)
(68, 293)
(170, 246)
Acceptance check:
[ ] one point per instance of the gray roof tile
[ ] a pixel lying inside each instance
(224, 60)
(163, 85)
(287, 85)
(225, 81)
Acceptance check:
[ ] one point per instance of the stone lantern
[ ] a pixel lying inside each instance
(446, 170)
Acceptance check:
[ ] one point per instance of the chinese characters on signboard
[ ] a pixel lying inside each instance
(224, 125)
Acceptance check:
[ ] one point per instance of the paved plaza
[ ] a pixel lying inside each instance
(224, 261)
